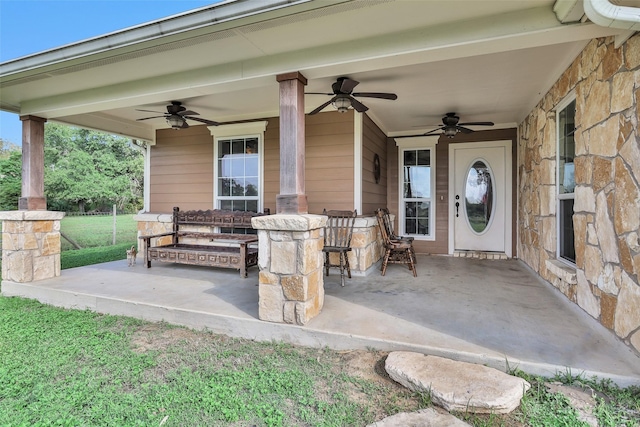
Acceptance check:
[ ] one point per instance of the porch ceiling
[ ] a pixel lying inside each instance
(486, 60)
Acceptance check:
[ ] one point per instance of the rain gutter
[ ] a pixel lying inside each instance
(607, 14)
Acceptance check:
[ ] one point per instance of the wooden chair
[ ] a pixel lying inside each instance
(386, 216)
(398, 249)
(337, 239)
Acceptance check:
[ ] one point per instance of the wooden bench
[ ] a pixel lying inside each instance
(193, 241)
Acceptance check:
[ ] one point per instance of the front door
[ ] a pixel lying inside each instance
(480, 189)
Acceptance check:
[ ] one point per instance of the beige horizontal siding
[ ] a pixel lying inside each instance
(182, 165)
(374, 142)
(182, 169)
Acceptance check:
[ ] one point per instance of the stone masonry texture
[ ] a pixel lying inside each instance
(605, 81)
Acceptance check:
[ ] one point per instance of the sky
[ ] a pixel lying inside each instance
(32, 26)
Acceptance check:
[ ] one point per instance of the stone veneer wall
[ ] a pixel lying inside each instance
(149, 223)
(605, 282)
(30, 245)
(366, 247)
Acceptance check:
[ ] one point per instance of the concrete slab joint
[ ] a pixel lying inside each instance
(30, 245)
(290, 283)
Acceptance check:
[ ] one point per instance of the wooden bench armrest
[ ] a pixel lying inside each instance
(152, 236)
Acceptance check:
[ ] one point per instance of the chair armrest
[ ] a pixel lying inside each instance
(405, 238)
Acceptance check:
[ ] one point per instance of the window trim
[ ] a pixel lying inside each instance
(562, 105)
(237, 131)
(418, 143)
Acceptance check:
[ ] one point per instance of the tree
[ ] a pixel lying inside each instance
(6, 148)
(10, 179)
(75, 180)
(86, 169)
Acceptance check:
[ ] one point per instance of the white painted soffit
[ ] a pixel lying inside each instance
(388, 51)
(105, 123)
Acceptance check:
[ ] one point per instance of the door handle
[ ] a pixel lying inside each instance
(457, 205)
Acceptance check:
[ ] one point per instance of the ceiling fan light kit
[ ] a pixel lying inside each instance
(342, 104)
(176, 122)
(450, 132)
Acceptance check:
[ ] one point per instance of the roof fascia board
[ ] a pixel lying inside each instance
(209, 19)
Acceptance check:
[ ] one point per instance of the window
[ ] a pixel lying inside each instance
(416, 191)
(238, 177)
(238, 174)
(565, 119)
(238, 166)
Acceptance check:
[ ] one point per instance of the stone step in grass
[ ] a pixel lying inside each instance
(457, 386)
(423, 418)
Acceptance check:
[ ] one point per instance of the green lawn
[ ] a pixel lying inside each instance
(94, 234)
(94, 231)
(68, 368)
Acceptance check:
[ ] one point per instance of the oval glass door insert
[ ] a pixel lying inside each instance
(479, 196)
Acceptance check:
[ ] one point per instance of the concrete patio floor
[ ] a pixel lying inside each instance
(492, 312)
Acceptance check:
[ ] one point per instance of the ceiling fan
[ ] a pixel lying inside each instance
(177, 116)
(452, 126)
(343, 96)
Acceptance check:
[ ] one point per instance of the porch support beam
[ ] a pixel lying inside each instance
(292, 198)
(32, 164)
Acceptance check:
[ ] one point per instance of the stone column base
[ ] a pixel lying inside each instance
(291, 284)
(30, 245)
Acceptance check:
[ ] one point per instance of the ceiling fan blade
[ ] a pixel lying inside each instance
(154, 117)
(320, 108)
(319, 93)
(380, 95)
(463, 129)
(357, 105)
(433, 131)
(187, 113)
(198, 119)
(348, 85)
(476, 124)
(151, 111)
